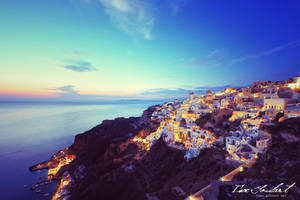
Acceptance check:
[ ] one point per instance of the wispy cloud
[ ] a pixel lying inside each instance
(64, 90)
(134, 17)
(68, 92)
(213, 58)
(80, 66)
(267, 52)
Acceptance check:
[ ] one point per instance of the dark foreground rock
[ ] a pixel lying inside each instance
(161, 174)
(280, 164)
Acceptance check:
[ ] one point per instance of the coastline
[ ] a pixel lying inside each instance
(163, 154)
(82, 144)
(31, 133)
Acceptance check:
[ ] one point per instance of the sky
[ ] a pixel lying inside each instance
(143, 49)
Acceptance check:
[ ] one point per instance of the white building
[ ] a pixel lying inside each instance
(291, 112)
(232, 143)
(275, 104)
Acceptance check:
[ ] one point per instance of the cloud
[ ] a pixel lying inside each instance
(68, 92)
(133, 17)
(212, 58)
(80, 66)
(267, 52)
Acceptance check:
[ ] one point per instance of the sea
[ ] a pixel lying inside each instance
(31, 132)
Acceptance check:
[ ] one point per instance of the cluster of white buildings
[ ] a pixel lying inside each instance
(254, 105)
(178, 127)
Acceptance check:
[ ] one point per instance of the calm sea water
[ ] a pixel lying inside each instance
(32, 132)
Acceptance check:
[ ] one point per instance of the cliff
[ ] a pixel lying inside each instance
(105, 163)
(108, 165)
(116, 169)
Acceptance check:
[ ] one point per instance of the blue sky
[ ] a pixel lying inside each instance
(123, 49)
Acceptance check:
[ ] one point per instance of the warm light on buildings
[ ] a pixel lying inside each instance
(65, 182)
(143, 143)
(192, 198)
(227, 91)
(296, 85)
(241, 169)
(67, 159)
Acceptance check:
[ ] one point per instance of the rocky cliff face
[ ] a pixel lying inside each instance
(116, 169)
(105, 163)
(111, 140)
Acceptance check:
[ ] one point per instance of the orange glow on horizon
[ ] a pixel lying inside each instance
(49, 93)
(19, 94)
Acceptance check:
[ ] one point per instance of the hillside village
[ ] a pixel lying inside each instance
(235, 120)
(234, 124)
